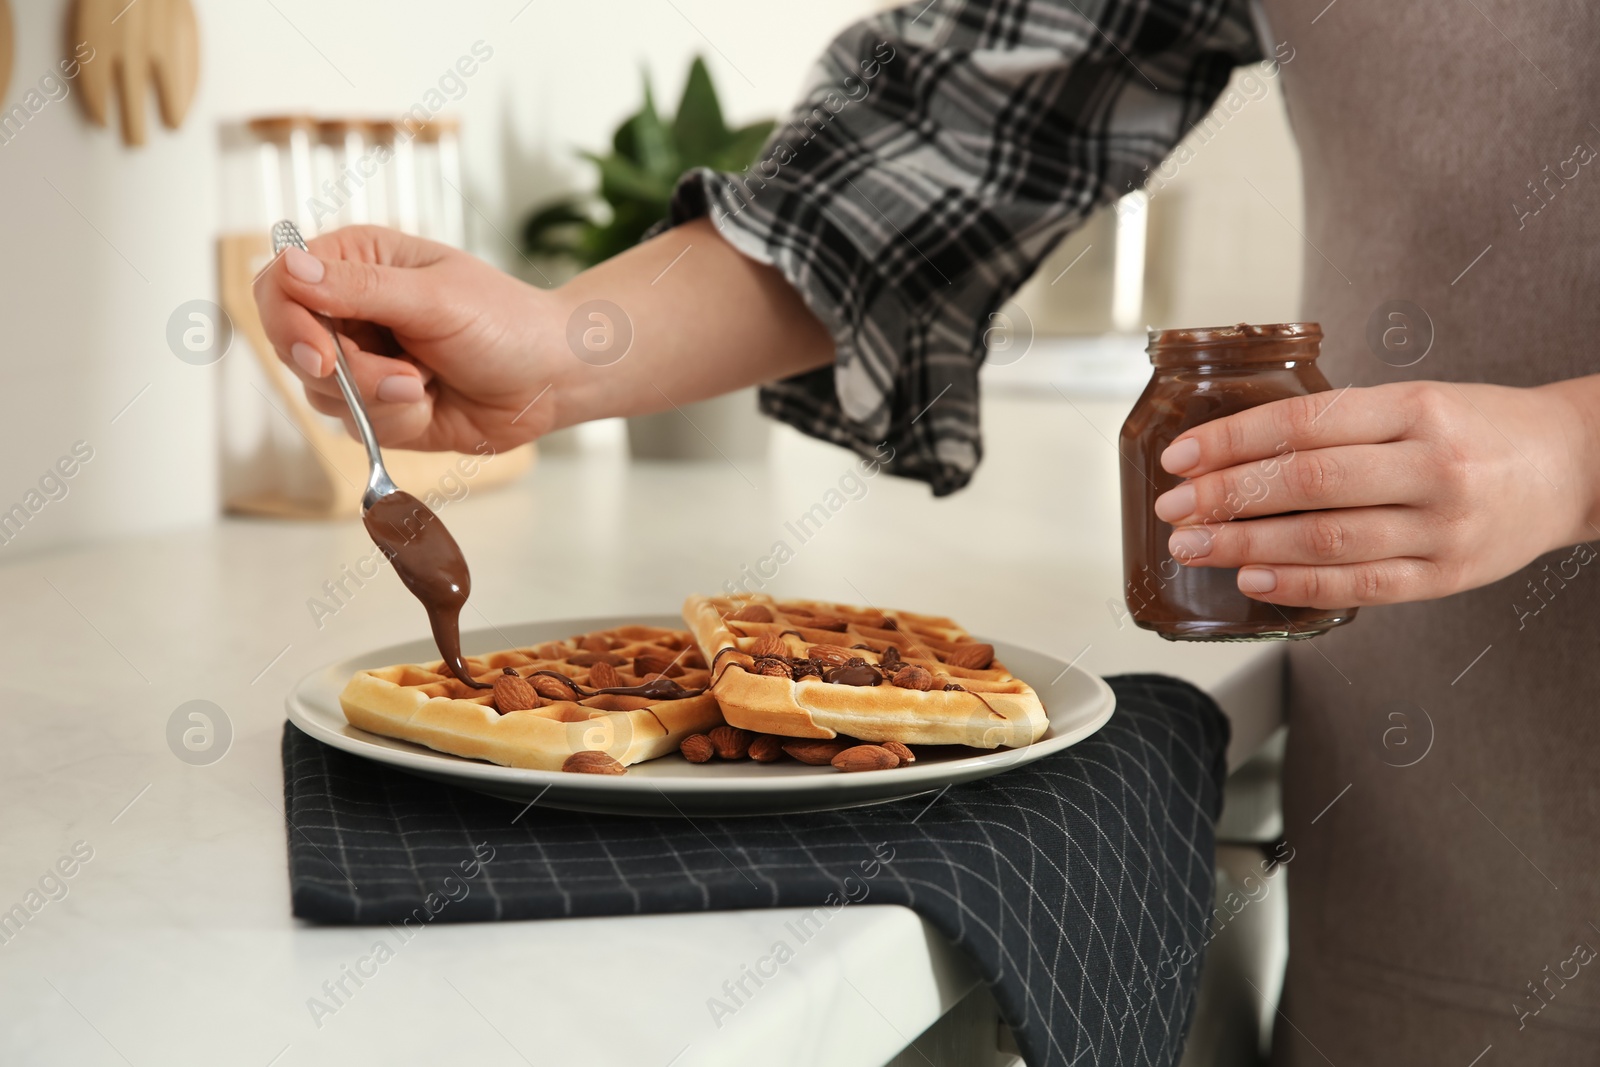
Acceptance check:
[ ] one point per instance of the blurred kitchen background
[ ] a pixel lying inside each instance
(105, 242)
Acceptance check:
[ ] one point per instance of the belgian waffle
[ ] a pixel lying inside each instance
(425, 704)
(803, 668)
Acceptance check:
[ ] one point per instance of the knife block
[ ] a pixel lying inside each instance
(315, 470)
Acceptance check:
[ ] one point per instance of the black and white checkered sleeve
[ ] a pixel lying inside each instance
(938, 154)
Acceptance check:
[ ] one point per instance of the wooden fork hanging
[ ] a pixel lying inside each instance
(134, 44)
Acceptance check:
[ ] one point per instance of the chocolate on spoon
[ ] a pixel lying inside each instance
(431, 565)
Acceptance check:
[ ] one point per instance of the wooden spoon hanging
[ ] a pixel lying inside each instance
(134, 45)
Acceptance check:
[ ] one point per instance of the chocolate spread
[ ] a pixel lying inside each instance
(654, 689)
(1201, 375)
(431, 565)
(856, 672)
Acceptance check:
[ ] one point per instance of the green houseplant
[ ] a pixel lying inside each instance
(648, 154)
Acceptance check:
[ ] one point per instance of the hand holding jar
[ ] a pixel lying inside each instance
(1407, 491)
(1259, 504)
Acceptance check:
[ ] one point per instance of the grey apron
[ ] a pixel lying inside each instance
(1442, 787)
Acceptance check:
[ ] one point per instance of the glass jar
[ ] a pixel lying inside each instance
(1202, 375)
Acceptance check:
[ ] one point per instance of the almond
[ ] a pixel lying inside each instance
(773, 668)
(552, 688)
(595, 643)
(827, 622)
(767, 748)
(603, 676)
(866, 758)
(693, 660)
(905, 754)
(752, 613)
(816, 753)
(731, 742)
(643, 665)
(972, 656)
(591, 762)
(513, 693)
(913, 677)
(832, 655)
(697, 748)
(768, 644)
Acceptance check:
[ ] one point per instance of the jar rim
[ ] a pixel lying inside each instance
(1238, 333)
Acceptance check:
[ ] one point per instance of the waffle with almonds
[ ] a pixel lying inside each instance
(531, 718)
(804, 668)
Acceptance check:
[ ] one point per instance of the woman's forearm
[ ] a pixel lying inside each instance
(682, 317)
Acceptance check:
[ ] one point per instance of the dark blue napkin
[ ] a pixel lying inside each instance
(1079, 883)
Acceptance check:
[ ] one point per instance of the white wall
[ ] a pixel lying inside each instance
(1224, 222)
(89, 274)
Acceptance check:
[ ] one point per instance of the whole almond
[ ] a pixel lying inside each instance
(752, 613)
(913, 677)
(905, 754)
(592, 762)
(552, 688)
(827, 622)
(866, 758)
(643, 665)
(816, 753)
(832, 655)
(731, 742)
(767, 748)
(513, 693)
(773, 668)
(972, 656)
(596, 643)
(768, 644)
(697, 748)
(603, 676)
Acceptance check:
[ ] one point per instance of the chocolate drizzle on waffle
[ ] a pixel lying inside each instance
(896, 657)
(662, 688)
(627, 693)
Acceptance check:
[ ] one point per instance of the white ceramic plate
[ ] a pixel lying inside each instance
(1077, 703)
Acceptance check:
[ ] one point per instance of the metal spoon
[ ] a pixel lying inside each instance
(286, 235)
(425, 556)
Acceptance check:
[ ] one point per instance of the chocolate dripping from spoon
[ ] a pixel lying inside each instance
(431, 565)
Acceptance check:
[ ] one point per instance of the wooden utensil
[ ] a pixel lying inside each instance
(5, 47)
(137, 43)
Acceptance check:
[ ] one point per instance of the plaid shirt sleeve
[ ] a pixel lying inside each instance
(940, 151)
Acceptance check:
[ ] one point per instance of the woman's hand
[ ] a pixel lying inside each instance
(450, 353)
(1386, 494)
(445, 350)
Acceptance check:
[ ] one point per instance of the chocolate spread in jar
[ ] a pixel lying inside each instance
(1201, 375)
(431, 565)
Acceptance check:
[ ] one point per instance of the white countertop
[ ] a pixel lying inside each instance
(174, 944)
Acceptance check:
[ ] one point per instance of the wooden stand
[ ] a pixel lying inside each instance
(341, 461)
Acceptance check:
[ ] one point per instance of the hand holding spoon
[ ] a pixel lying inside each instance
(424, 555)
